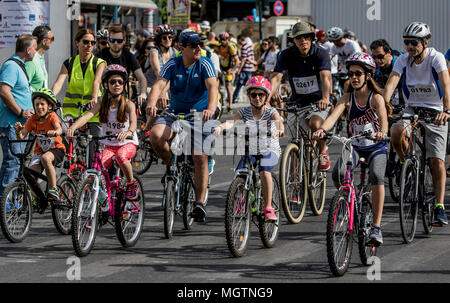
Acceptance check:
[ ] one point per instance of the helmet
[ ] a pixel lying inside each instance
(258, 82)
(164, 29)
(417, 30)
(46, 94)
(335, 33)
(205, 25)
(224, 36)
(115, 69)
(103, 33)
(362, 59)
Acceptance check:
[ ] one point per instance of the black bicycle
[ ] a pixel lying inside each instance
(17, 203)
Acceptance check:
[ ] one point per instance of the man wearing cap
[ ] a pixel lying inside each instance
(193, 85)
(308, 67)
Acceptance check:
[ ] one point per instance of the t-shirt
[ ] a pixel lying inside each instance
(334, 62)
(126, 59)
(42, 127)
(350, 47)
(14, 76)
(304, 72)
(270, 60)
(37, 73)
(226, 54)
(187, 85)
(447, 55)
(247, 52)
(421, 86)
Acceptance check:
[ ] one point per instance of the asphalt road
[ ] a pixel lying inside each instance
(201, 255)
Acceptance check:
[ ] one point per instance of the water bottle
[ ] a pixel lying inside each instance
(103, 199)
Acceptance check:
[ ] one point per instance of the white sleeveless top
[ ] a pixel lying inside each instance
(114, 127)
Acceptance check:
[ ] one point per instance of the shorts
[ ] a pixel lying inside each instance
(122, 153)
(57, 153)
(304, 119)
(267, 163)
(435, 136)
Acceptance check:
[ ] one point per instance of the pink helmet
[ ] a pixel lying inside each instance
(258, 82)
(362, 59)
(115, 69)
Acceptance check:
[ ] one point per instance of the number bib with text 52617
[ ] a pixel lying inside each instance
(46, 143)
(306, 85)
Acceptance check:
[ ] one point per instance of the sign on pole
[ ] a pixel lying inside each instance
(278, 8)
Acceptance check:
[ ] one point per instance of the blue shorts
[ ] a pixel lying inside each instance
(267, 163)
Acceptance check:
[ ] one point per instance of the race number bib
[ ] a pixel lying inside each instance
(306, 85)
(45, 143)
(114, 127)
(422, 92)
(359, 129)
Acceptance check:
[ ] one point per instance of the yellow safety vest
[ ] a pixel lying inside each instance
(80, 87)
(205, 53)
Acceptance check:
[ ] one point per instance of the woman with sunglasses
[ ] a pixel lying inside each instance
(366, 110)
(143, 58)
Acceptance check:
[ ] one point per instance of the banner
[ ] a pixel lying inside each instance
(178, 12)
(18, 17)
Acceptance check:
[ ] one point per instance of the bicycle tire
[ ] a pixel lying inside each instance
(339, 216)
(394, 188)
(317, 184)
(300, 191)
(169, 209)
(188, 204)
(237, 211)
(427, 198)
(269, 231)
(129, 224)
(143, 158)
(365, 252)
(82, 220)
(15, 209)
(62, 217)
(408, 207)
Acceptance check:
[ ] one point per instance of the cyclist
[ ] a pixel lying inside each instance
(228, 61)
(193, 85)
(118, 117)
(102, 41)
(48, 152)
(427, 86)
(259, 117)
(367, 111)
(308, 66)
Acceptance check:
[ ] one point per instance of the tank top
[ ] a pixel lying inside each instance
(115, 127)
(364, 119)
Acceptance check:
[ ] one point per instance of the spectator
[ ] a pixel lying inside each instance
(262, 53)
(271, 57)
(36, 70)
(15, 105)
(246, 67)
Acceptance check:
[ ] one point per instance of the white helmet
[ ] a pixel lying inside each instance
(335, 33)
(418, 30)
(103, 33)
(205, 24)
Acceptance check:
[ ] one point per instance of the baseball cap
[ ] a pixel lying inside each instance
(189, 37)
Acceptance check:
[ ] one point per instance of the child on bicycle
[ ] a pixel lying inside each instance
(49, 151)
(260, 118)
(366, 111)
(117, 116)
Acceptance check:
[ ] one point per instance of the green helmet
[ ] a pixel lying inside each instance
(47, 94)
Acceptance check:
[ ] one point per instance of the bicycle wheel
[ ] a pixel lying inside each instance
(169, 209)
(293, 191)
(339, 238)
(129, 217)
(269, 230)
(237, 218)
(188, 204)
(144, 156)
(391, 171)
(15, 212)
(62, 216)
(365, 252)
(84, 219)
(408, 201)
(427, 198)
(317, 185)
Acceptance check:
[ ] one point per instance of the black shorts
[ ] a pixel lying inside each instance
(57, 153)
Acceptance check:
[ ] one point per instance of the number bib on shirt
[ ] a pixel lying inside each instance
(306, 85)
(359, 129)
(422, 92)
(46, 143)
(114, 127)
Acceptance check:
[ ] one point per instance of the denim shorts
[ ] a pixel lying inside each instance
(267, 163)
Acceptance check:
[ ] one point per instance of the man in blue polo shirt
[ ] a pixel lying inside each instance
(193, 85)
(15, 105)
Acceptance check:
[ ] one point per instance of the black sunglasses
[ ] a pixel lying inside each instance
(167, 38)
(114, 81)
(194, 45)
(103, 42)
(254, 95)
(379, 57)
(413, 42)
(120, 41)
(86, 42)
(149, 47)
(357, 74)
(304, 36)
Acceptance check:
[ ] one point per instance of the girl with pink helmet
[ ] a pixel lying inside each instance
(264, 123)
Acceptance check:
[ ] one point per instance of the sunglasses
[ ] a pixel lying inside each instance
(91, 42)
(167, 37)
(103, 42)
(114, 81)
(254, 95)
(194, 45)
(149, 47)
(306, 37)
(413, 42)
(357, 74)
(120, 41)
(379, 57)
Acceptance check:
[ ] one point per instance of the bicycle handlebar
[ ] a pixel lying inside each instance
(344, 140)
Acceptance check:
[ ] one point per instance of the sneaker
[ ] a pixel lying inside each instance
(324, 161)
(269, 214)
(440, 216)
(211, 163)
(199, 212)
(375, 237)
(53, 194)
(132, 191)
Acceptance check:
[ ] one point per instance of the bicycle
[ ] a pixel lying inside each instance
(245, 202)
(179, 192)
(393, 164)
(100, 200)
(17, 205)
(300, 178)
(416, 183)
(350, 212)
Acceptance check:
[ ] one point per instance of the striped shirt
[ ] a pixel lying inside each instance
(247, 52)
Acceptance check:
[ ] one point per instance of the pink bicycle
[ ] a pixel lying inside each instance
(101, 200)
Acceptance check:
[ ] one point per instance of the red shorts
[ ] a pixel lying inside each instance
(123, 153)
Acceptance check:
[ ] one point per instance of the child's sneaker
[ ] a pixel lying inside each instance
(269, 214)
(132, 191)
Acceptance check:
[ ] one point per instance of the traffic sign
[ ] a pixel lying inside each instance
(278, 8)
